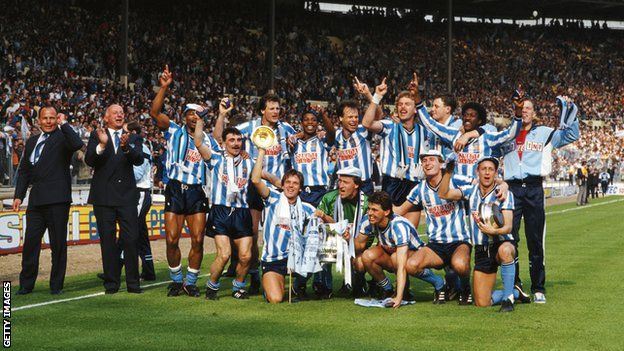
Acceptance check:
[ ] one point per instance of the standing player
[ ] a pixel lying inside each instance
(353, 144)
(310, 154)
(284, 213)
(527, 160)
(277, 163)
(493, 246)
(229, 217)
(185, 200)
(449, 239)
(475, 142)
(401, 144)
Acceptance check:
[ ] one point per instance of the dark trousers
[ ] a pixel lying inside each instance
(106, 218)
(39, 218)
(529, 202)
(144, 249)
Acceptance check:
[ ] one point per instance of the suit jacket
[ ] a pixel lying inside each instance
(113, 181)
(50, 177)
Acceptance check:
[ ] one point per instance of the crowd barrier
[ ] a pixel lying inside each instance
(82, 228)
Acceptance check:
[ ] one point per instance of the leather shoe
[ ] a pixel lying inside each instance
(23, 291)
(135, 291)
(111, 291)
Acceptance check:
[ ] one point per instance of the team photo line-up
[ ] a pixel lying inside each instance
(473, 182)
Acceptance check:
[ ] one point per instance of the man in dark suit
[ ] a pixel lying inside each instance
(113, 194)
(45, 166)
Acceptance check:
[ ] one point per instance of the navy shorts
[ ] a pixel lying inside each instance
(254, 201)
(485, 257)
(280, 267)
(232, 222)
(313, 194)
(398, 189)
(185, 199)
(368, 187)
(445, 251)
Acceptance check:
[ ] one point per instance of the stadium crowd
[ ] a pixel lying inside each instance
(66, 55)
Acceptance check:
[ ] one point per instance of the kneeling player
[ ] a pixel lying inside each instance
(284, 213)
(493, 246)
(449, 238)
(229, 216)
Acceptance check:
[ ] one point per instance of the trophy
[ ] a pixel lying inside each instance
(263, 137)
(492, 214)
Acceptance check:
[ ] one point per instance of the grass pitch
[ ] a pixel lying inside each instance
(584, 309)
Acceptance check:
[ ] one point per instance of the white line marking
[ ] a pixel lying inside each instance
(25, 307)
(584, 207)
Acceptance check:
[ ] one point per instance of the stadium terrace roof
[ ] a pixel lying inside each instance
(512, 9)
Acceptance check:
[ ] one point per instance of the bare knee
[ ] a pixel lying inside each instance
(274, 297)
(244, 257)
(507, 253)
(461, 267)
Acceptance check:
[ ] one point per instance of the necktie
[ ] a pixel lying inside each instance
(117, 141)
(40, 146)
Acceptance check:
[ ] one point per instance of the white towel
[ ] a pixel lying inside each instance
(232, 189)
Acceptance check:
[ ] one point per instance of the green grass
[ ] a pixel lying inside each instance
(584, 309)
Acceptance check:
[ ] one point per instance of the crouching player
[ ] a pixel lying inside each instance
(398, 240)
(493, 246)
(449, 238)
(278, 227)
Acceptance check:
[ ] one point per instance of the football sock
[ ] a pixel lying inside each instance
(213, 286)
(175, 273)
(497, 296)
(236, 285)
(508, 274)
(191, 276)
(431, 278)
(385, 284)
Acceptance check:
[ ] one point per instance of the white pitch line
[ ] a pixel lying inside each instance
(205, 275)
(25, 307)
(584, 207)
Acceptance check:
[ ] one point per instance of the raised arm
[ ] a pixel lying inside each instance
(220, 123)
(256, 175)
(369, 121)
(198, 137)
(72, 139)
(162, 120)
(330, 129)
(445, 192)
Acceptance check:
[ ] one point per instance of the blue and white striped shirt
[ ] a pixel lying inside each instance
(310, 157)
(184, 163)
(445, 219)
(276, 156)
(355, 151)
(399, 232)
(276, 237)
(435, 143)
(482, 146)
(399, 146)
(475, 199)
(220, 178)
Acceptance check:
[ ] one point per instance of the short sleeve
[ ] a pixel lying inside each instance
(387, 127)
(273, 197)
(365, 227)
(508, 204)
(414, 195)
